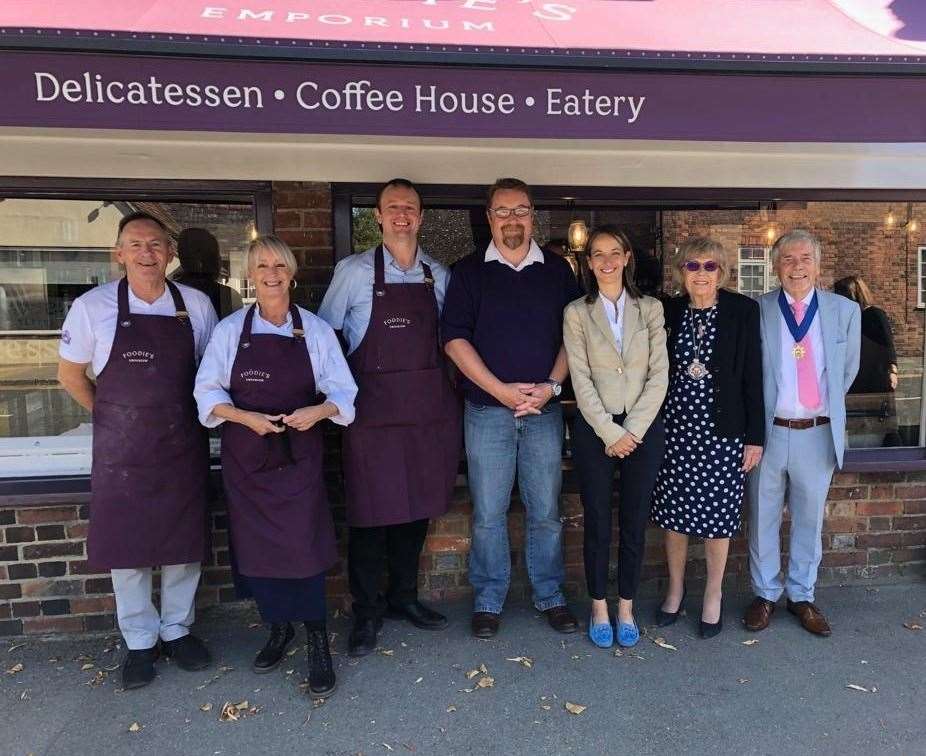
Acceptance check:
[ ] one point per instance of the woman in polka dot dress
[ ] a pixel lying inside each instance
(714, 418)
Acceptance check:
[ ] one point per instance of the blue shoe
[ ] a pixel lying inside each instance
(627, 634)
(601, 634)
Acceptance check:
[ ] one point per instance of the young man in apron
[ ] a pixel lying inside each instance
(143, 336)
(402, 452)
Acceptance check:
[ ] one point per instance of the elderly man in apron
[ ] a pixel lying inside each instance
(271, 374)
(402, 452)
(142, 337)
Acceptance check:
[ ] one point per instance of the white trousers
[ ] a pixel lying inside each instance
(139, 621)
(799, 464)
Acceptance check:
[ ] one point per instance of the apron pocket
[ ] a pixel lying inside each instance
(408, 397)
(249, 450)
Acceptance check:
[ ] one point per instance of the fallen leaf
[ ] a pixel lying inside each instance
(24, 696)
(232, 712)
(574, 708)
(11, 649)
(751, 642)
(545, 707)
(205, 707)
(471, 674)
(742, 680)
(388, 747)
(135, 727)
(861, 689)
(486, 682)
(418, 680)
(661, 642)
(15, 669)
(451, 709)
(524, 661)
(912, 626)
(85, 667)
(618, 652)
(387, 652)
(467, 690)
(254, 625)
(483, 669)
(97, 680)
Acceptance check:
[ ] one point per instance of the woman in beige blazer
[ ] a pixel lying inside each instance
(616, 344)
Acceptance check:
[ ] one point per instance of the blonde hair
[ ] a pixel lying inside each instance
(700, 246)
(275, 245)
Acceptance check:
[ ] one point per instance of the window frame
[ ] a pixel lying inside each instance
(44, 489)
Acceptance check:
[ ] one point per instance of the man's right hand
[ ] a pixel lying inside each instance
(262, 424)
(514, 395)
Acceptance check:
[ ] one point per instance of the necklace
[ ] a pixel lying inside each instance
(696, 369)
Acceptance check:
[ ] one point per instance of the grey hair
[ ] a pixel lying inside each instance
(275, 245)
(797, 236)
(701, 246)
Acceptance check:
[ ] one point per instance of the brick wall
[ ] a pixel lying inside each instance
(875, 528)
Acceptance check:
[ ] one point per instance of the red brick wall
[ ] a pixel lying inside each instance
(875, 527)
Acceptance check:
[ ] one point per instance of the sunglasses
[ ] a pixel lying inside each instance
(693, 266)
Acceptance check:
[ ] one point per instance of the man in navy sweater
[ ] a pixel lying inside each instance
(502, 326)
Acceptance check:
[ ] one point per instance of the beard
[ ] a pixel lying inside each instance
(513, 238)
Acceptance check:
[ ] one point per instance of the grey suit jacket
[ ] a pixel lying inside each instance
(841, 324)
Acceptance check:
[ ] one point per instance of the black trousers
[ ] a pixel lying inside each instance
(638, 474)
(397, 547)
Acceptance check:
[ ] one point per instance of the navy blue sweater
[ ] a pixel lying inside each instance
(513, 319)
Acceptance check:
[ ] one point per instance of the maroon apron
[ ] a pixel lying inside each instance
(150, 454)
(402, 452)
(279, 519)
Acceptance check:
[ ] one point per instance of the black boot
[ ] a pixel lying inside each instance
(321, 671)
(270, 656)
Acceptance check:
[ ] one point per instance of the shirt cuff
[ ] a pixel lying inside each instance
(346, 411)
(209, 402)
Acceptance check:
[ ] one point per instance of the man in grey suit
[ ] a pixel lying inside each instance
(810, 349)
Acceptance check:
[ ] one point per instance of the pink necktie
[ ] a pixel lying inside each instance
(808, 392)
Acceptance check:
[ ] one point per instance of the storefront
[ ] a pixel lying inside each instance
(740, 121)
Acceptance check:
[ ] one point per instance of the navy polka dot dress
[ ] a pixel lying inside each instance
(700, 487)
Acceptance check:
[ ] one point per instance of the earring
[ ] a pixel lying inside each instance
(292, 284)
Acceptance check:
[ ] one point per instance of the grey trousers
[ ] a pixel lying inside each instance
(798, 463)
(139, 620)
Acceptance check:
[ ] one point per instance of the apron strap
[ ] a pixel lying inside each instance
(124, 317)
(179, 305)
(379, 273)
(244, 340)
(428, 277)
(298, 330)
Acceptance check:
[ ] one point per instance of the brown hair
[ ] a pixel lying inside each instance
(503, 184)
(397, 182)
(856, 289)
(588, 277)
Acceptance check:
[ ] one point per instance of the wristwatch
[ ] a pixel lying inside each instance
(555, 386)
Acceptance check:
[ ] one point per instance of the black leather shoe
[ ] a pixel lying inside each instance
(270, 656)
(362, 638)
(710, 629)
(419, 615)
(664, 619)
(189, 652)
(322, 681)
(485, 624)
(561, 619)
(138, 667)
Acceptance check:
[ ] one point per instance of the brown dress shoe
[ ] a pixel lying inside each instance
(812, 619)
(759, 614)
(561, 619)
(485, 624)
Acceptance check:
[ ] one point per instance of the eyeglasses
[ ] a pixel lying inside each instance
(693, 266)
(506, 212)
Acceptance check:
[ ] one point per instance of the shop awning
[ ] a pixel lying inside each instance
(764, 34)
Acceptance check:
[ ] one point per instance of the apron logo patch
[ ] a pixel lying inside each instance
(397, 322)
(138, 355)
(255, 376)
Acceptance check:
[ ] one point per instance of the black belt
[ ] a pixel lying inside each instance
(801, 424)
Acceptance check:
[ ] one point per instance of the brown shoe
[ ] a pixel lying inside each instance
(561, 619)
(485, 624)
(812, 619)
(759, 614)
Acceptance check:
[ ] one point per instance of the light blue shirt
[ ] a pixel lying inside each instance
(348, 303)
(332, 375)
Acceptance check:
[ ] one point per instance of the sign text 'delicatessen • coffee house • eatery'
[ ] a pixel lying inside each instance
(740, 120)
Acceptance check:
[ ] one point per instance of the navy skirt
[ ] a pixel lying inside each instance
(283, 599)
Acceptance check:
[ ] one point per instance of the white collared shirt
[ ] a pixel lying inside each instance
(332, 375)
(90, 326)
(615, 316)
(534, 255)
(788, 405)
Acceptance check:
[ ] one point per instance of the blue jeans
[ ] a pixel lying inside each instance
(497, 445)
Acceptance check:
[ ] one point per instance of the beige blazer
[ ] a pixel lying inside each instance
(608, 382)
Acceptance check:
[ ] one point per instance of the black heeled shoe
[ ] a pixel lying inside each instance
(710, 629)
(664, 619)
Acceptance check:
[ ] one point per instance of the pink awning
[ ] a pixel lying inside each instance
(756, 30)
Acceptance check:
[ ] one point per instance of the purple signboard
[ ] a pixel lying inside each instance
(75, 90)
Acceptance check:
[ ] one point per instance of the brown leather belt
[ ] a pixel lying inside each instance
(801, 424)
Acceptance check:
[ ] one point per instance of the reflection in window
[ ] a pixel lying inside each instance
(51, 252)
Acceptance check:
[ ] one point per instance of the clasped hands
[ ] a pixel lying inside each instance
(301, 420)
(623, 446)
(525, 398)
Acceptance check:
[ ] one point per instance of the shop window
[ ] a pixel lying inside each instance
(51, 252)
(921, 277)
(754, 271)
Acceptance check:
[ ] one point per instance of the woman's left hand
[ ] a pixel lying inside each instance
(751, 457)
(304, 418)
